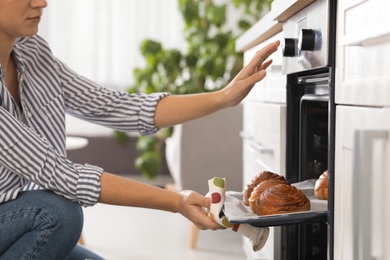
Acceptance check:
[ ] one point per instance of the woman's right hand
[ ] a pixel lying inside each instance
(193, 208)
(252, 73)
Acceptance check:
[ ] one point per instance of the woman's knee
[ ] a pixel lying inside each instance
(66, 217)
(49, 225)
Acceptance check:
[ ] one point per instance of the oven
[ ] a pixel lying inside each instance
(308, 63)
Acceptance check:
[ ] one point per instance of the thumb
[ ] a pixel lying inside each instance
(206, 202)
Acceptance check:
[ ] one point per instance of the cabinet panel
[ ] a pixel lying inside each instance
(252, 166)
(264, 132)
(357, 220)
(264, 150)
(363, 48)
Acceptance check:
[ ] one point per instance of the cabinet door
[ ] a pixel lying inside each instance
(264, 150)
(362, 180)
(264, 137)
(362, 52)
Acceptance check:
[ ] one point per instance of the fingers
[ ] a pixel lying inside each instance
(253, 79)
(203, 221)
(196, 204)
(207, 223)
(197, 199)
(265, 64)
(265, 52)
(258, 59)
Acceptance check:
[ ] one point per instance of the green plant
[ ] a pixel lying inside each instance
(209, 63)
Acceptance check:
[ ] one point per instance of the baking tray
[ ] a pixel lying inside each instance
(238, 213)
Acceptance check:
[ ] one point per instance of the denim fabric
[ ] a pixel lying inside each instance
(40, 225)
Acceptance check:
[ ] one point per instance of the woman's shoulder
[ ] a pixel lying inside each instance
(32, 43)
(33, 49)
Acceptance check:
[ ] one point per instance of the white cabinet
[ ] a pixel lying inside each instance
(362, 147)
(363, 51)
(264, 138)
(264, 150)
(362, 178)
(264, 134)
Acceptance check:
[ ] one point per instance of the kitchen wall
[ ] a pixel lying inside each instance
(100, 39)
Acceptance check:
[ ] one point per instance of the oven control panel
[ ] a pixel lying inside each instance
(305, 43)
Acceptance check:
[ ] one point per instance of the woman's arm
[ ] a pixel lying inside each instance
(116, 190)
(178, 109)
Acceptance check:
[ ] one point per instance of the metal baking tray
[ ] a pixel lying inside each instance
(238, 213)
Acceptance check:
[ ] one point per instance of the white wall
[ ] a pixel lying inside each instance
(100, 39)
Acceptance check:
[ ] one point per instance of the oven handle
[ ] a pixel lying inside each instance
(362, 191)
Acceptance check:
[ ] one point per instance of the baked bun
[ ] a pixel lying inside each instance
(262, 176)
(282, 198)
(321, 186)
(260, 188)
(247, 193)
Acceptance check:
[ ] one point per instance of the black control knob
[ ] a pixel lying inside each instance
(289, 47)
(307, 40)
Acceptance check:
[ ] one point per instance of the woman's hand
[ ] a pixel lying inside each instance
(193, 208)
(252, 73)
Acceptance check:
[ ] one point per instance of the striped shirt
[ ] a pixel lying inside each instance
(32, 141)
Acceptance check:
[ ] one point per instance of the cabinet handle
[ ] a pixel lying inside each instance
(246, 135)
(275, 68)
(362, 191)
(366, 36)
(260, 148)
(255, 146)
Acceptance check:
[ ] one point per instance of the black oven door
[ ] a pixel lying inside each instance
(307, 156)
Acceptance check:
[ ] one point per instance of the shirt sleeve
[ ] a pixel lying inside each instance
(115, 109)
(29, 157)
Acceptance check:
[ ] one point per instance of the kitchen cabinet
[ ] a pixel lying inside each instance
(362, 178)
(263, 150)
(264, 129)
(362, 145)
(363, 51)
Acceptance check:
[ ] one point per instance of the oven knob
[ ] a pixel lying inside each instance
(289, 47)
(307, 40)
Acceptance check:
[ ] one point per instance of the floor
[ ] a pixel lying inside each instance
(131, 233)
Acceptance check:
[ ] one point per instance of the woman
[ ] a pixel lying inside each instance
(41, 191)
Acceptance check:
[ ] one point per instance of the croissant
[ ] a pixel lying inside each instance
(262, 176)
(282, 198)
(260, 188)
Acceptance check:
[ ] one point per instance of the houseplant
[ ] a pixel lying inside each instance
(209, 62)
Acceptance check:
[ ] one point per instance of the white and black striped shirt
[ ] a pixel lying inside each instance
(32, 142)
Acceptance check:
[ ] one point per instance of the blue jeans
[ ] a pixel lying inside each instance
(41, 225)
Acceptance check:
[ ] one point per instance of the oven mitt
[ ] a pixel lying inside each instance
(217, 187)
